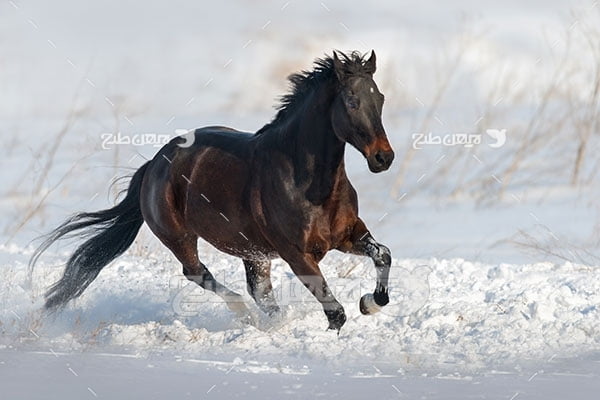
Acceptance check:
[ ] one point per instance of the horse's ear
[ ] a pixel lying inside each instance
(338, 67)
(370, 66)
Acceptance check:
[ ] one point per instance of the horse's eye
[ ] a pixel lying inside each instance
(353, 102)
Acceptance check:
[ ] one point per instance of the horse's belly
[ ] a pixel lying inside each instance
(249, 250)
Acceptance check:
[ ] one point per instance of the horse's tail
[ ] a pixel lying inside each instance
(112, 231)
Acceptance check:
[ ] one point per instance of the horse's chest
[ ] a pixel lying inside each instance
(327, 227)
(290, 218)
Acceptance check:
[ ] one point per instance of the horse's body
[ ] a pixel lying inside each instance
(282, 192)
(251, 189)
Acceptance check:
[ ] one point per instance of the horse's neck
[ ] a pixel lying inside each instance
(318, 155)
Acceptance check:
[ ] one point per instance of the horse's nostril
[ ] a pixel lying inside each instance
(380, 160)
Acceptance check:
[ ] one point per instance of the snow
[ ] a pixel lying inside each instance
(452, 322)
(119, 376)
(471, 313)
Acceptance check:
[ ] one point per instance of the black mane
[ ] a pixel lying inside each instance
(304, 82)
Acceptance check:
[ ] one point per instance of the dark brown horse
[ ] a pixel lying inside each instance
(281, 192)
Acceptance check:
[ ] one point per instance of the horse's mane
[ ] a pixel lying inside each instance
(303, 82)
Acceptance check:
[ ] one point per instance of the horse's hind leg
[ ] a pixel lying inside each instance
(258, 278)
(187, 253)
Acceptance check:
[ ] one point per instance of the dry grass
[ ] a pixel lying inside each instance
(550, 143)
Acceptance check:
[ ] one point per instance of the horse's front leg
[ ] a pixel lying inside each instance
(306, 268)
(362, 243)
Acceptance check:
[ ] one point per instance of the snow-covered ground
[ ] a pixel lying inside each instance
(471, 315)
(122, 376)
(454, 329)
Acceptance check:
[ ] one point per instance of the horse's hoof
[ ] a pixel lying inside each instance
(368, 305)
(236, 305)
(272, 311)
(337, 319)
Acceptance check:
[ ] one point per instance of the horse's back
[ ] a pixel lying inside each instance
(225, 139)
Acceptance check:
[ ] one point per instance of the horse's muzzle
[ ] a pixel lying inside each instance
(380, 161)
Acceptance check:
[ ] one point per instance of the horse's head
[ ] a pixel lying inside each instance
(356, 112)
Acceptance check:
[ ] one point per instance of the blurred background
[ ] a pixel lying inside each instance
(72, 71)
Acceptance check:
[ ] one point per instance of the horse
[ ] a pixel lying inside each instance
(281, 192)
